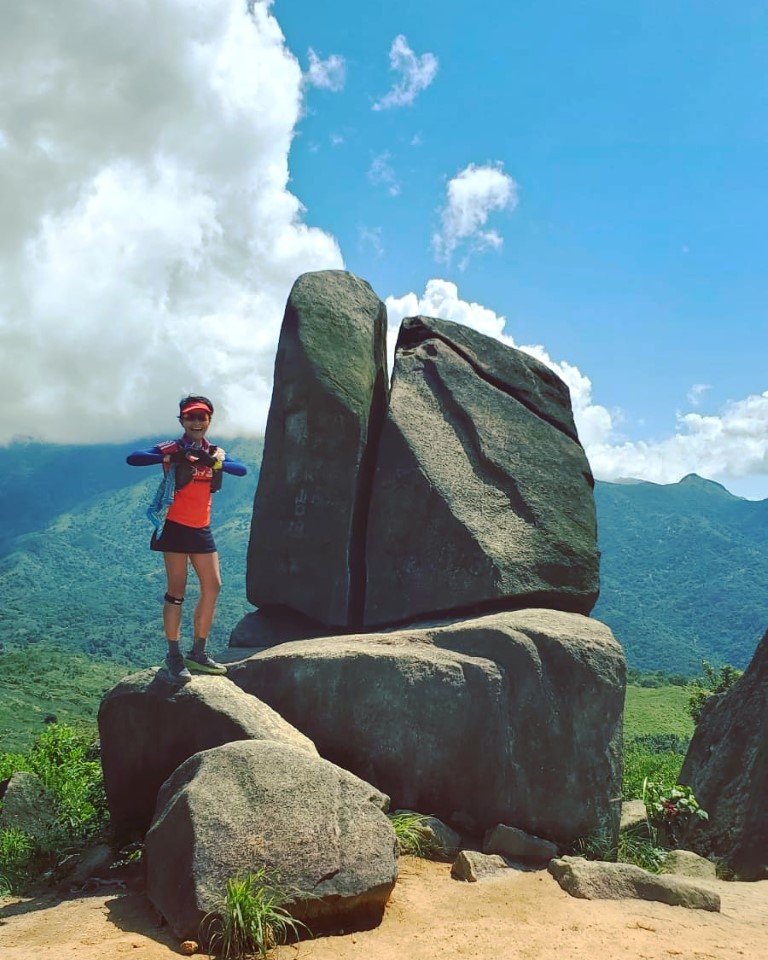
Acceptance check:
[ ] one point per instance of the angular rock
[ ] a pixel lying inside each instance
(319, 830)
(306, 548)
(272, 626)
(634, 818)
(27, 806)
(686, 863)
(148, 727)
(470, 865)
(727, 768)
(597, 880)
(482, 495)
(509, 718)
(518, 845)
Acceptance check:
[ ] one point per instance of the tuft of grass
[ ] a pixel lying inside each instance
(413, 835)
(253, 918)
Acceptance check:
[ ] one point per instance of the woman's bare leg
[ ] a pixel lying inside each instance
(206, 567)
(176, 572)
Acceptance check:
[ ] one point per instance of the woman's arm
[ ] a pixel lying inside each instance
(144, 458)
(234, 467)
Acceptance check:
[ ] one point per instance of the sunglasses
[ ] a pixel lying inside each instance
(195, 416)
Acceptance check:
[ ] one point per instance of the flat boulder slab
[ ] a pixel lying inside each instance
(726, 766)
(510, 718)
(518, 845)
(598, 880)
(321, 832)
(306, 547)
(272, 626)
(482, 496)
(148, 727)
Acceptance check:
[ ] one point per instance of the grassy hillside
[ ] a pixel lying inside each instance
(657, 710)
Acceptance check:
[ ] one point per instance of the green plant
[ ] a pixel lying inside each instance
(253, 918)
(671, 812)
(17, 851)
(713, 683)
(413, 834)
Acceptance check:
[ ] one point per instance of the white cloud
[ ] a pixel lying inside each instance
(471, 197)
(370, 237)
(696, 392)
(416, 74)
(731, 445)
(148, 239)
(381, 174)
(330, 74)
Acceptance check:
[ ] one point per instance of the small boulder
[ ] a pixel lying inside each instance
(442, 842)
(634, 818)
(518, 845)
(598, 880)
(319, 830)
(271, 626)
(686, 863)
(471, 866)
(148, 727)
(27, 806)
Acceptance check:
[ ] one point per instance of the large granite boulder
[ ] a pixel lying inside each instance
(307, 539)
(512, 718)
(727, 768)
(27, 805)
(322, 833)
(482, 496)
(148, 727)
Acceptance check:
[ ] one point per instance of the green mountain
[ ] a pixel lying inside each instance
(683, 571)
(683, 565)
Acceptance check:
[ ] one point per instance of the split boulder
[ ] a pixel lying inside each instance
(482, 496)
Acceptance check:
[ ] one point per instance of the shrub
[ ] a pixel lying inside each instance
(66, 762)
(413, 835)
(252, 918)
(671, 812)
(713, 683)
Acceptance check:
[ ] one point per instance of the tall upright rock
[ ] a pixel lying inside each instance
(306, 549)
(726, 766)
(483, 496)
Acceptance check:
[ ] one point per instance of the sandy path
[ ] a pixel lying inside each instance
(518, 916)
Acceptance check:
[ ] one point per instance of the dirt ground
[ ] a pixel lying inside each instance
(517, 916)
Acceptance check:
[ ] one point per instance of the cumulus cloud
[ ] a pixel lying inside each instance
(148, 239)
(471, 197)
(330, 74)
(382, 174)
(724, 447)
(416, 74)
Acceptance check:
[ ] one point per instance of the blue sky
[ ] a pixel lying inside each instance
(586, 179)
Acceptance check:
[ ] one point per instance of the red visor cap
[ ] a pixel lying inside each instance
(190, 408)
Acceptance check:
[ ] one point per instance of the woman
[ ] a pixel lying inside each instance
(193, 470)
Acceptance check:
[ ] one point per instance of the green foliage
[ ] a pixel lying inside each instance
(413, 836)
(713, 683)
(66, 761)
(671, 811)
(253, 918)
(633, 847)
(16, 856)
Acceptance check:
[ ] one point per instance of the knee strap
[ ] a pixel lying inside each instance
(176, 601)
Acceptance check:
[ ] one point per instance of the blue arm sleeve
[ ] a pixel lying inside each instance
(144, 458)
(234, 467)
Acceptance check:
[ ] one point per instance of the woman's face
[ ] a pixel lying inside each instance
(195, 424)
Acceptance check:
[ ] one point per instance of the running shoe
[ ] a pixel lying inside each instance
(174, 664)
(202, 663)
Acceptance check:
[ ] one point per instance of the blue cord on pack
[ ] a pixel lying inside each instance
(163, 498)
